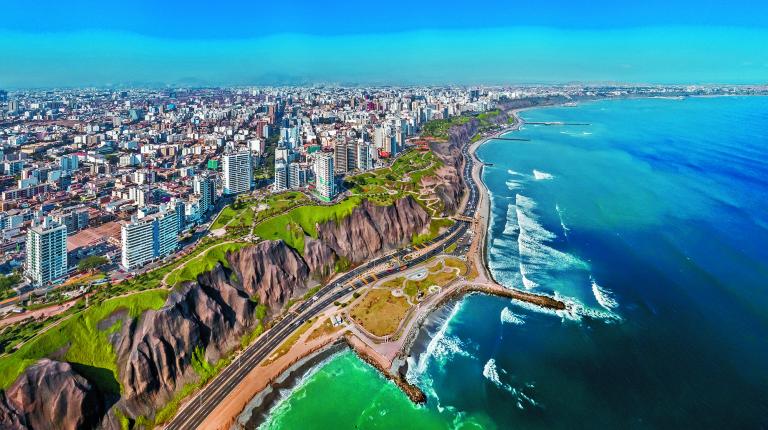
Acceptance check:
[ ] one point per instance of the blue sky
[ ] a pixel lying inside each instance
(72, 43)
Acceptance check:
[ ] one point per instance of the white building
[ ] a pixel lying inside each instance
(363, 156)
(204, 187)
(148, 238)
(46, 252)
(281, 176)
(238, 172)
(324, 183)
(294, 176)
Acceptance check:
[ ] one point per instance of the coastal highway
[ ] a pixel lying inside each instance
(195, 412)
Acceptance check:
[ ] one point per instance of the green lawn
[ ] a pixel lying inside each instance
(204, 263)
(434, 230)
(81, 342)
(293, 225)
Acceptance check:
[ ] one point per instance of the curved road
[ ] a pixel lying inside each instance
(195, 412)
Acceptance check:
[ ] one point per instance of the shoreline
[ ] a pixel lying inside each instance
(257, 408)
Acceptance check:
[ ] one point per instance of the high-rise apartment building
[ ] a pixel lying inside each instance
(46, 252)
(295, 179)
(145, 239)
(281, 176)
(363, 156)
(324, 181)
(340, 157)
(204, 187)
(238, 172)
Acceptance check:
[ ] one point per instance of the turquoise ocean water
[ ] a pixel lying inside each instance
(653, 220)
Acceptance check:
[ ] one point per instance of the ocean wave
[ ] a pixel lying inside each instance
(511, 227)
(536, 256)
(604, 296)
(442, 346)
(576, 311)
(562, 223)
(513, 185)
(542, 176)
(491, 373)
(509, 317)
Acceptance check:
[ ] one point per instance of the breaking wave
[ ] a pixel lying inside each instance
(442, 346)
(509, 317)
(604, 296)
(562, 223)
(536, 256)
(491, 373)
(542, 176)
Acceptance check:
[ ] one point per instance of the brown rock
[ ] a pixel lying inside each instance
(271, 271)
(371, 230)
(51, 395)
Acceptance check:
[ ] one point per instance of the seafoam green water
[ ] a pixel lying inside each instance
(653, 222)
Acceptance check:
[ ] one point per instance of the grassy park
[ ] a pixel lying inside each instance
(81, 341)
(379, 312)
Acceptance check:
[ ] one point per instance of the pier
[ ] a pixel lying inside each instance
(518, 139)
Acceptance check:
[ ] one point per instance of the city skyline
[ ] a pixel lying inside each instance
(401, 44)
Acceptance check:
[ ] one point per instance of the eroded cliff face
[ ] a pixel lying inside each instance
(155, 352)
(51, 395)
(371, 229)
(450, 189)
(270, 271)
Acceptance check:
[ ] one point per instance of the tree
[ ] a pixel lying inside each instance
(92, 262)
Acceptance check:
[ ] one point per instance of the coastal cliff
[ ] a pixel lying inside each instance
(51, 394)
(371, 229)
(161, 351)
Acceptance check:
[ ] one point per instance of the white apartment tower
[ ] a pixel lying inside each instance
(238, 172)
(324, 183)
(281, 176)
(46, 252)
(145, 239)
(363, 156)
(203, 186)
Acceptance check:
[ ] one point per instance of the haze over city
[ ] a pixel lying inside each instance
(406, 43)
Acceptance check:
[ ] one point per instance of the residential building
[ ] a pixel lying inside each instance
(281, 176)
(46, 252)
(148, 238)
(325, 185)
(238, 172)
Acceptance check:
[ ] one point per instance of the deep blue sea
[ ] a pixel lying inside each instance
(653, 221)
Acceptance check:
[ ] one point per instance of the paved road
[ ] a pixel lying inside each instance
(218, 389)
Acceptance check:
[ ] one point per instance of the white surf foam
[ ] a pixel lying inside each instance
(542, 176)
(562, 223)
(491, 373)
(536, 256)
(442, 346)
(509, 317)
(604, 296)
(511, 226)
